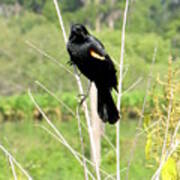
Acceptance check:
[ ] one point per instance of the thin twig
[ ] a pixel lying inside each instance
(82, 144)
(163, 153)
(53, 95)
(175, 132)
(110, 143)
(120, 91)
(60, 21)
(77, 153)
(149, 127)
(17, 164)
(166, 157)
(70, 110)
(13, 168)
(173, 148)
(126, 71)
(167, 124)
(142, 114)
(132, 86)
(59, 135)
(42, 52)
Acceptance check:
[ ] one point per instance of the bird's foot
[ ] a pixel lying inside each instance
(70, 63)
(82, 97)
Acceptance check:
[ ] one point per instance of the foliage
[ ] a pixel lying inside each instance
(143, 16)
(150, 23)
(31, 65)
(138, 47)
(19, 107)
(164, 115)
(45, 158)
(169, 170)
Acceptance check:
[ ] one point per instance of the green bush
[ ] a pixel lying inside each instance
(21, 107)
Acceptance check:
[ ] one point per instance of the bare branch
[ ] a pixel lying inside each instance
(13, 168)
(60, 21)
(175, 132)
(17, 164)
(120, 91)
(146, 129)
(59, 135)
(110, 143)
(77, 153)
(82, 144)
(70, 110)
(126, 71)
(132, 86)
(48, 56)
(53, 95)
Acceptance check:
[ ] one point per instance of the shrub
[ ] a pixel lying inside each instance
(164, 135)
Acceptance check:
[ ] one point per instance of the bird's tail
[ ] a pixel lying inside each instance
(106, 106)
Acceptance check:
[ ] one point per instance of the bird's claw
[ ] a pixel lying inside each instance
(70, 63)
(82, 98)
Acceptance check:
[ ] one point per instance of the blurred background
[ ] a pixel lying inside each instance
(25, 24)
(149, 24)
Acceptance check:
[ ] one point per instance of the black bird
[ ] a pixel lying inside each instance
(89, 55)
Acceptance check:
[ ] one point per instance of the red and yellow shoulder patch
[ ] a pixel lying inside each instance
(96, 55)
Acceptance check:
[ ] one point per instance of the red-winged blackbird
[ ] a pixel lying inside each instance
(89, 55)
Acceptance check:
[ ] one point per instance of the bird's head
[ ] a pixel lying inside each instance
(78, 32)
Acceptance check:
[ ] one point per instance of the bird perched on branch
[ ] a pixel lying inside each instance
(89, 55)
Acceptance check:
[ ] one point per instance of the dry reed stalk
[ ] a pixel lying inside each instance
(85, 107)
(120, 91)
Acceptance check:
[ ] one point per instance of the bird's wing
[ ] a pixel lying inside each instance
(100, 43)
(96, 55)
(96, 49)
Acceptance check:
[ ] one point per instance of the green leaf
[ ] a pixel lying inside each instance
(169, 170)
